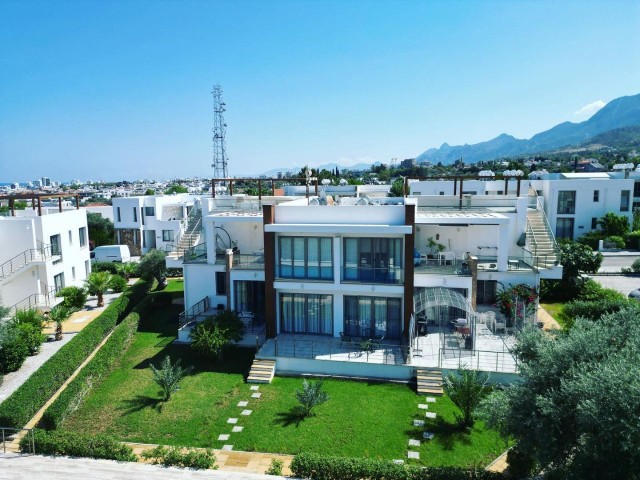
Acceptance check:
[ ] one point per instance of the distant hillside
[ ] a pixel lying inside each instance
(617, 114)
(626, 137)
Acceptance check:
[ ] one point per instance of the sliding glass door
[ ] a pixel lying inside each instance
(306, 313)
(372, 317)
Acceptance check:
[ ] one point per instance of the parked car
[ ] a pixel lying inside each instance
(111, 253)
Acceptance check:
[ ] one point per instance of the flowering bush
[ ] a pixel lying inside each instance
(517, 301)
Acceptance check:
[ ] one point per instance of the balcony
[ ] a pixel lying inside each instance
(322, 273)
(384, 275)
(433, 266)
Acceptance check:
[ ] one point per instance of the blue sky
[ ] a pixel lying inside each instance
(121, 89)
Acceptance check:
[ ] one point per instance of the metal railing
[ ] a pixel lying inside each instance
(387, 275)
(195, 254)
(485, 360)
(301, 272)
(36, 300)
(549, 238)
(10, 435)
(193, 312)
(365, 351)
(42, 253)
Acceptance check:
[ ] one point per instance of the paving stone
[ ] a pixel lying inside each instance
(237, 429)
(223, 437)
(414, 443)
(414, 455)
(423, 406)
(254, 387)
(431, 399)
(430, 415)
(232, 420)
(246, 412)
(428, 435)
(256, 395)
(243, 404)
(418, 423)
(228, 448)
(399, 462)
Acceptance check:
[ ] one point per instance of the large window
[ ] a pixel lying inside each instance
(373, 317)
(564, 228)
(167, 235)
(305, 257)
(567, 202)
(306, 313)
(58, 281)
(54, 240)
(624, 200)
(149, 211)
(486, 292)
(249, 297)
(372, 260)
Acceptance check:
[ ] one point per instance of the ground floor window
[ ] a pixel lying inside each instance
(249, 297)
(373, 316)
(221, 283)
(58, 281)
(564, 228)
(306, 313)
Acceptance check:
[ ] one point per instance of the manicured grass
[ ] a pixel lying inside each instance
(175, 285)
(554, 309)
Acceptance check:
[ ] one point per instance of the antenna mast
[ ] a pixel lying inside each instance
(219, 130)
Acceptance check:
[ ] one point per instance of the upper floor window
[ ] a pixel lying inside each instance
(305, 257)
(596, 195)
(567, 202)
(70, 237)
(636, 189)
(135, 214)
(149, 211)
(624, 200)
(82, 233)
(118, 214)
(372, 260)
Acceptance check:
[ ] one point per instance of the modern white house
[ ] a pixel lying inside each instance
(315, 278)
(42, 249)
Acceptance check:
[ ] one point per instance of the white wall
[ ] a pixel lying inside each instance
(339, 214)
(480, 187)
(106, 211)
(199, 282)
(16, 235)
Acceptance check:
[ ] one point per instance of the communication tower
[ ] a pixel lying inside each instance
(220, 159)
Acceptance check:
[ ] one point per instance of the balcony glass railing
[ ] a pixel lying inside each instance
(302, 272)
(196, 254)
(388, 275)
(248, 262)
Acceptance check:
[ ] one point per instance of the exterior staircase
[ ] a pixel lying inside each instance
(24, 260)
(429, 381)
(189, 238)
(262, 371)
(540, 240)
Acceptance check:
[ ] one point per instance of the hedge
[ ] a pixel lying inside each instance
(103, 362)
(319, 467)
(18, 409)
(73, 444)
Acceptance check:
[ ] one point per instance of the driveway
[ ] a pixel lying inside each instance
(620, 283)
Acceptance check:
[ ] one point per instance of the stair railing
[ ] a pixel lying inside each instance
(42, 252)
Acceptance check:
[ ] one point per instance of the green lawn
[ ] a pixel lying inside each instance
(360, 419)
(553, 308)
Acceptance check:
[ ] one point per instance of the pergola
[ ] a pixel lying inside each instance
(36, 198)
(229, 181)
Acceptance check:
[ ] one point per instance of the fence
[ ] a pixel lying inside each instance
(11, 435)
(486, 360)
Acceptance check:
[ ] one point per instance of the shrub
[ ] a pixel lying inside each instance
(78, 445)
(275, 468)
(160, 300)
(110, 267)
(635, 266)
(127, 270)
(182, 458)
(13, 348)
(74, 297)
(633, 240)
(593, 291)
(591, 239)
(174, 272)
(319, 467)
(102, 363)
(311, 396)
(521, 463)
(466, 389)
(594, 309)
(168, 376)
(30, 316)
(614, 242)
(211, 336)
(31, 336)
(16, 410)
(118, 283)
(97, 284)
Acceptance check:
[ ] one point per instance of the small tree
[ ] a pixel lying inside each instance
(614, 225)
(210, 337)
(97, 284)
(74, 297)
(578, 259)
(168, 376)
(153, 265)
(311, 396)
(59, 314)
(397, 188)
(466, 389)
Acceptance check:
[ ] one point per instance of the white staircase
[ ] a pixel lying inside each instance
(188, 239)
(262, 371)
(540, 240)
(429, 381)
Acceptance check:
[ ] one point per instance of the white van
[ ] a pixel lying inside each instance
(111, 253)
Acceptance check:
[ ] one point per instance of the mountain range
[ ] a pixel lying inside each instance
(619, 113)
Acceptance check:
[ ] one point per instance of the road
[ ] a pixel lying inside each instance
(614, 263)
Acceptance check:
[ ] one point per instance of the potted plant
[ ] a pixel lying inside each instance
(434, 247)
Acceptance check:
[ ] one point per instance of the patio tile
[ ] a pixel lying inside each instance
(223, 437)
(254, 387)
(246, 412)
(418, 423)
(228, 448)
(256, 395)
(423, 406)
(232, 420)
(428, 435)
(430, 415)
(399, 462)
(237, 429)
(414, 455)
(243, 404)
(431, 399)
(414, 443)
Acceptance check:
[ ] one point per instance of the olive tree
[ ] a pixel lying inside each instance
(153, 265)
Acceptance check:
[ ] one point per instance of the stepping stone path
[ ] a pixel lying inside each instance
(418, 423)
(399, 462)
(243, 404)
(246, 412)
(256, 395)
(415, 443)
(431, 399)
(224, 437)
(428, 435)
(414, 455)
(232, 420)
(254, 387)
(227, 447)
(430, 415)
(237, 429)
(423, 406)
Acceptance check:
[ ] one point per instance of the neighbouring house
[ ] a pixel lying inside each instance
(42, 249)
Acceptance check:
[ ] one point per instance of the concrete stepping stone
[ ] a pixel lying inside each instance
(428, 435)
(414, 455)
(246, 412)
(232, 420)
(399, 462)
(228, 448)
(243, 404)
(431, 399)
(418, 423)
(237, 429)
(224, 437)
(414, 443)
(423, 406)
(430, 415)
(256, 395)
(254, 387)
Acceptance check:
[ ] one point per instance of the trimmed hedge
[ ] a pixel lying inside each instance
(103, 362)
(78, 445)
(18, 409)
(181, 457)
(319, 467)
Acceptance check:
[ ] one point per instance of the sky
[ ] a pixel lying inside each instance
(111, 90)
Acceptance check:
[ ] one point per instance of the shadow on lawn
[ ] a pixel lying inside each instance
(446, 434)
(140, 402)
(294, 416)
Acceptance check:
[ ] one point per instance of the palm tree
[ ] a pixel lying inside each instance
(97, 284)
(59, 314)
(466, 389)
